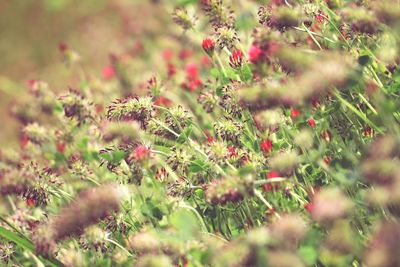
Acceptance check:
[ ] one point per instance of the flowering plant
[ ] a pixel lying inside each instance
(269, 137)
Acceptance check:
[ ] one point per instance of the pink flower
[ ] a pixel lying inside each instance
(295, 113)
(192, 71)
(168, 54)
(255, 54)
(311, 122)
(108, 72)
(236, 59)
(141, 152)
(266, 146)
(208, 46)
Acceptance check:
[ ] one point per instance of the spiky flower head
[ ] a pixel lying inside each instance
(182, 18)
(226, 37)
(76, 106)
(94, 238)
(179, 160)
(228, 130)
(219, 14)
(177, 118)
(133, 108)
(36, 134)
(229, 189)
(208, 100)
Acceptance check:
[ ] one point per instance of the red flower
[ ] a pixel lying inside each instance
(273, 174)
(108, 72)
(162, 101)
(210, 139)
(295, 113)
(327, 160)
(141, 152)
(311, 122)
(192, 71)
(268, 187)
(255, 54)
(320, 17)
(326, 135)
(208, 46)
(60, 147)
(62, 47)
(171, 70)
(30, 202)
(266, 146)
(232, 152)
(236, 59)
(309, 207)
(168, 54)
(185, 54)
(32, 84)
(24, 140)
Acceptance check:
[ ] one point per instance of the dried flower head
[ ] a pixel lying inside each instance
(182, 18)
(133, 108)
(226, 37)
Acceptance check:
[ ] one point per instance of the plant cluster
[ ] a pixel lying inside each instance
(270, 136)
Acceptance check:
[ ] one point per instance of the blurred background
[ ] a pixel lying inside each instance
(31, 31)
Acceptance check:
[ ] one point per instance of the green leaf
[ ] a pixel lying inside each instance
(25, 244)
(186, 223)
(197, 166)
(309, 255)
(17, 239)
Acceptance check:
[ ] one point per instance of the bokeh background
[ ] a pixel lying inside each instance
(31, 30)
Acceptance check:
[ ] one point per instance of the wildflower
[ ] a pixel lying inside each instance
(255, 54)
(208, 46)
(311, 122)
(229, 102)
(232, 152)
(279, 17)
(208, 100)
(327, 159)
(184, 54)
(88, 208)
(266, 146)
(294, 113)
(284, 162)
(228, 130)
(210, 139)
(330, 204)
(309, 207)
(236, 59)
(218, 12)
(62, 47)
(171, 70)
(141, 153)
(60, 146)
(326, 135)
(76, 106)
(132, 108)
(226, 190)
(108, 72)
(162, 101)
(182, 18)
(168, 54)
(226, 37)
